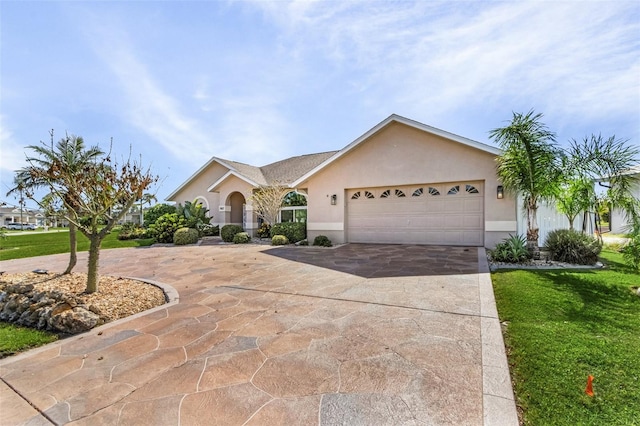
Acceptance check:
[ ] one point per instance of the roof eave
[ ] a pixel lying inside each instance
(197, 173)
(230, 173)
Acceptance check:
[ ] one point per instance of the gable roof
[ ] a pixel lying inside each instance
(283, 171)
(386, 122)
(295, 170)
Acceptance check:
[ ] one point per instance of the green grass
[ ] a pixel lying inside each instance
(15, 339)
(40, 244)
(562, 327)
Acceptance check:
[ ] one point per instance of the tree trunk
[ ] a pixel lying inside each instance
(532, 229)
(92, 270)
(73, 248)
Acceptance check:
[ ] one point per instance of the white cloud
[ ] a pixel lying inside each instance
(576, 58)
(147, 106)
(12, 157)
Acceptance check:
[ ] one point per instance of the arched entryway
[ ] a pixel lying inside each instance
(235, 209)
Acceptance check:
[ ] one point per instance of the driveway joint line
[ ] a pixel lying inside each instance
(42, 413)
(389, 305)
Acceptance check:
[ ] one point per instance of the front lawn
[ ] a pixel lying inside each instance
(563, 326)
(15, 339)
(40, 244)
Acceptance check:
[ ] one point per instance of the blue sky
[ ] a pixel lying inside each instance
(181, 81)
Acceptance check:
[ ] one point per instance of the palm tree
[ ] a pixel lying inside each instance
(607, 160)
(53, 164)
(574, 197)
(530, 165)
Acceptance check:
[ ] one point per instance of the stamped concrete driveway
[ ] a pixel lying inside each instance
(354, 335)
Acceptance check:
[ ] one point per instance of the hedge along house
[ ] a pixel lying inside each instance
(401, 182)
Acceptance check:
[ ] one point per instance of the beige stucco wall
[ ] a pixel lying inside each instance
(197, 189)
(401, 155)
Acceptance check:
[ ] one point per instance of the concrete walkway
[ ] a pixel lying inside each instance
(357, 335)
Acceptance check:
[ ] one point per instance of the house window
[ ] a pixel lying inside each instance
(367, 194)
(418, 192)
(471, 189)
(399, 193)
(385, 194)
(454, 190)
(289, 214)
(355, 196)
(433, 191)
(294, 199)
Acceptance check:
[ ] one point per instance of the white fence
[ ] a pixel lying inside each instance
(549, 219)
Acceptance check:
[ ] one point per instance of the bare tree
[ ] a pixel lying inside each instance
(267, 201)
(90, 195)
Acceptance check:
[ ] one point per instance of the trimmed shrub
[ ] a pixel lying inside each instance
(207, 230)
(279, 240)
(241, 238)
(264, 231)
(154, 213)
(131, 231)
(185, 236)
(229, 231)
(322, 241)
(570, 246)
(294, 231)
(166, 225)
(511, 250)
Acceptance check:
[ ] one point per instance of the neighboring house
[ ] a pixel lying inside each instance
(618, 222)
(400, 182)
(13, 214)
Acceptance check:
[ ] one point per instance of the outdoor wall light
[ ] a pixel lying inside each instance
(500, 192)
(334, 199)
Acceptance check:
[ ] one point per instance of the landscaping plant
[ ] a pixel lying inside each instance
(241, 238)
(151, 215)
(631, 251)
(570, 246)
(294, 231)
(165, 226)
(184, 236)
(322, 241)
(511, 250)
(229, 231)
(279, 240)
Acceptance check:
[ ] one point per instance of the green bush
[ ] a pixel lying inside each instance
(294, 231)
(165, 226)
(279, 240)
(304, 242)
(631, 251)
(185, 236)
(208, 230)
(195, 214)
(570, 246)
(131, 231)
(241, 238)
(322, 241)
(511, 250)
(151, 215)
(264, 231)
(229, 231)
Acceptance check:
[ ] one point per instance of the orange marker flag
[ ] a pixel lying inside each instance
(589, 389)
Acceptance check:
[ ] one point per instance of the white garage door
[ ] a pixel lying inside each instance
(443, 213)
